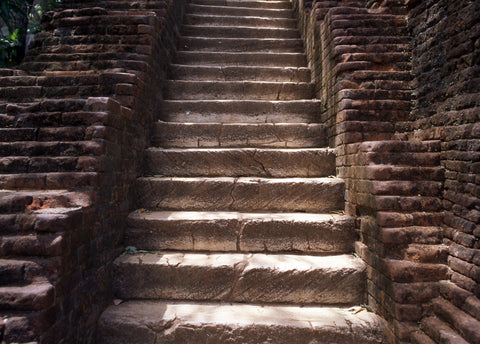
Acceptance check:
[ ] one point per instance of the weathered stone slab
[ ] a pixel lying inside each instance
(246, 232)
(151, 322)
(198, 90)
(240, 11)
(235, 32)
(197, 135)
(293, 45)
(245, 3)
(236, 277)
(237, 73)
(278, 163)
(219, 20)
(241, 59)
(242, 194)
(247, 111)
(29, 297)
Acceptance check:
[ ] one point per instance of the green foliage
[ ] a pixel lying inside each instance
(9, 45)
(17, 19)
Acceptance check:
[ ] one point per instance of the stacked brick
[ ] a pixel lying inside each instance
(74, 122)
(446, 65)
(394, 181)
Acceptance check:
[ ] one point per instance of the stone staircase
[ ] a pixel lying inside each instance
(240, 235)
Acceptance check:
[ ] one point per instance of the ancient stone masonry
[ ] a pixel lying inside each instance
(361, 55)
(75, 120)
(240, 235)
(446, 70)
(244, 150)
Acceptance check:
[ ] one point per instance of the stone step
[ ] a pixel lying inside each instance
(239, 11)
(245, 111)
(236, 277)
(222, 20)
(466, 325)
(196, 43)
(419, 337)
(239, 135)
(139, 322)
(245, 3)
(24, 271)
(31, 297)
(238, 32)
(251, 59)
(235, 162)
(241, 194)
(229, 73)
(252, 90)
(440, 332)
(240, 232)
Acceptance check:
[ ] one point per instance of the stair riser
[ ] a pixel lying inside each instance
(246, 3)
(238, 32)
(238, 163)
(232, 279)
(171, 135)
(241, 111)
(198, 90)
(241, 44)
(213, 73)
(284, 23)
(241, 59)
(242, 194)
(241, 233)
(239, 11)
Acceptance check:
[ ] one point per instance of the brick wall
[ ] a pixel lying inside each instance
(366, 70)
(74, 120)
(446, 69)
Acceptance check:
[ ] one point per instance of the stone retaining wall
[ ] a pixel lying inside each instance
(75, 120)
(446, 69)
(404, 120)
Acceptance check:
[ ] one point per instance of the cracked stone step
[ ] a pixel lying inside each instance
(241, 194)
(196, 43)
(235, 277)
(246, 111)
(237, 73)
(141, 322)
(240, 11)
(234, 135)
(239, 32)
(246, 3)
(463, 322)
(441, 332)
(236, 21)
(260, 59)
(31, 297)
(254, 90)
(22, 271)
(241, 232)
(270, 163)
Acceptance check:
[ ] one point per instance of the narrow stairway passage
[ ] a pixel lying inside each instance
(239, 234)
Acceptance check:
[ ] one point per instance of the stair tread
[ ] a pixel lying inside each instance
(34, 296)
(233, 215)
(239, 135)
(132, 322)
(239, 73)
(240, 194)
(228, 231)
(261, 59)
(239, 11)
(241, 277)
(441, 332)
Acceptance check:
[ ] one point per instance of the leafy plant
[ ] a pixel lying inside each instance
(18, 18)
